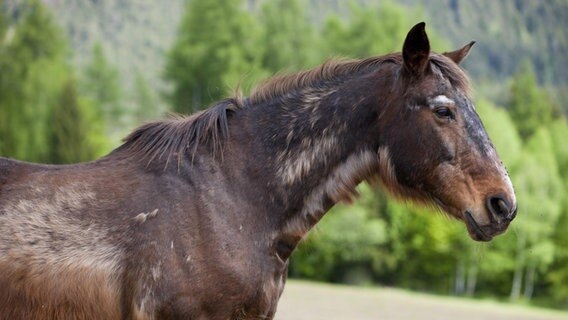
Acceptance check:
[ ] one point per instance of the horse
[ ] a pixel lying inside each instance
(196, 217)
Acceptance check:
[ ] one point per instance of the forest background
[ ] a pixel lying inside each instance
(77, 75)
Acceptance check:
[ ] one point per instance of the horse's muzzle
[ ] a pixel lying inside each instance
(487, 232)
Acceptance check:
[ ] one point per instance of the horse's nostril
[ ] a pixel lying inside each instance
(512, 215)
(500, 208)
(503, 209)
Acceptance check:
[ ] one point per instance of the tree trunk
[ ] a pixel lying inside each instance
(529, 281)
(460, 278)
(471, 279)
(519, 267)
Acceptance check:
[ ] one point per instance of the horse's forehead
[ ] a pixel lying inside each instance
(437, 89)
(473, 125)
(438, 81)
(431, 86)
(443, 93)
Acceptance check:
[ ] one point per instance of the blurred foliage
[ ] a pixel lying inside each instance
(46, 114)
(350, 236)
(76, 130)
(146, 105)
(214, 49)
(42, 117)
(138, 32)
(100, 84)
(33, 70)
(286, 21)
(371, 30)
(507, 32)
(529, 105)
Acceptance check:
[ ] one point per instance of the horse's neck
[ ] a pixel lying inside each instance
(320, 152)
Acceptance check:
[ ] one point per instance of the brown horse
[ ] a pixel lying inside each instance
(195, 218)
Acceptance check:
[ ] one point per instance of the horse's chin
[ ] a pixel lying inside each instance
(476, 232)
(484, 232)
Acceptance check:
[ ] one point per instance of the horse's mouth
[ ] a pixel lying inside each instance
(475, 231)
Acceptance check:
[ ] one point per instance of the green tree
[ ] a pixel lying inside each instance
(215, 48)
(3, 23)
(346, 246)
(529, 105)
(32, 56)
(432, 252)
(289, 40)
(101, 85)
(76, 132)
(5, 67)
(557, 276)
(370, 31)
(539, 192)
(146, 104)
(558, 133)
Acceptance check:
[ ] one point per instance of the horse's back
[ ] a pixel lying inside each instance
(6, 166)
(11, 171)
(53, 265)
(21, 181)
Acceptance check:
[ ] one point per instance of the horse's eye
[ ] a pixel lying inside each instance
(444, 113)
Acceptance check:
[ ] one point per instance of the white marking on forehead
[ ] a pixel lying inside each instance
(440, 100)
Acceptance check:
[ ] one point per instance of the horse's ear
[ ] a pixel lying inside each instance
(416, 49)
(458, 55)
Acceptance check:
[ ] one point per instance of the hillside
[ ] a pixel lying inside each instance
(137, 33)
(507, 33)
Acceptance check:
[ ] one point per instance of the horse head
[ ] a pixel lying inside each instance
(434, 148)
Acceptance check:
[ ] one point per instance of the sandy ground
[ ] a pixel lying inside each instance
(310, 301)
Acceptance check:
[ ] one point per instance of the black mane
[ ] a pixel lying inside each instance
(174, 137)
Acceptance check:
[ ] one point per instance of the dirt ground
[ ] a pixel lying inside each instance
(309, 301)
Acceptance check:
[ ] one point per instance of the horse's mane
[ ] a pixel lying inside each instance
(329, 70)
(174, 137)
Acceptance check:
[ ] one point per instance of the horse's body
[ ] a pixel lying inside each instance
(195, 218)
(118, 237)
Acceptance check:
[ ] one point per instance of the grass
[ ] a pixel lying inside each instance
(313, 301)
